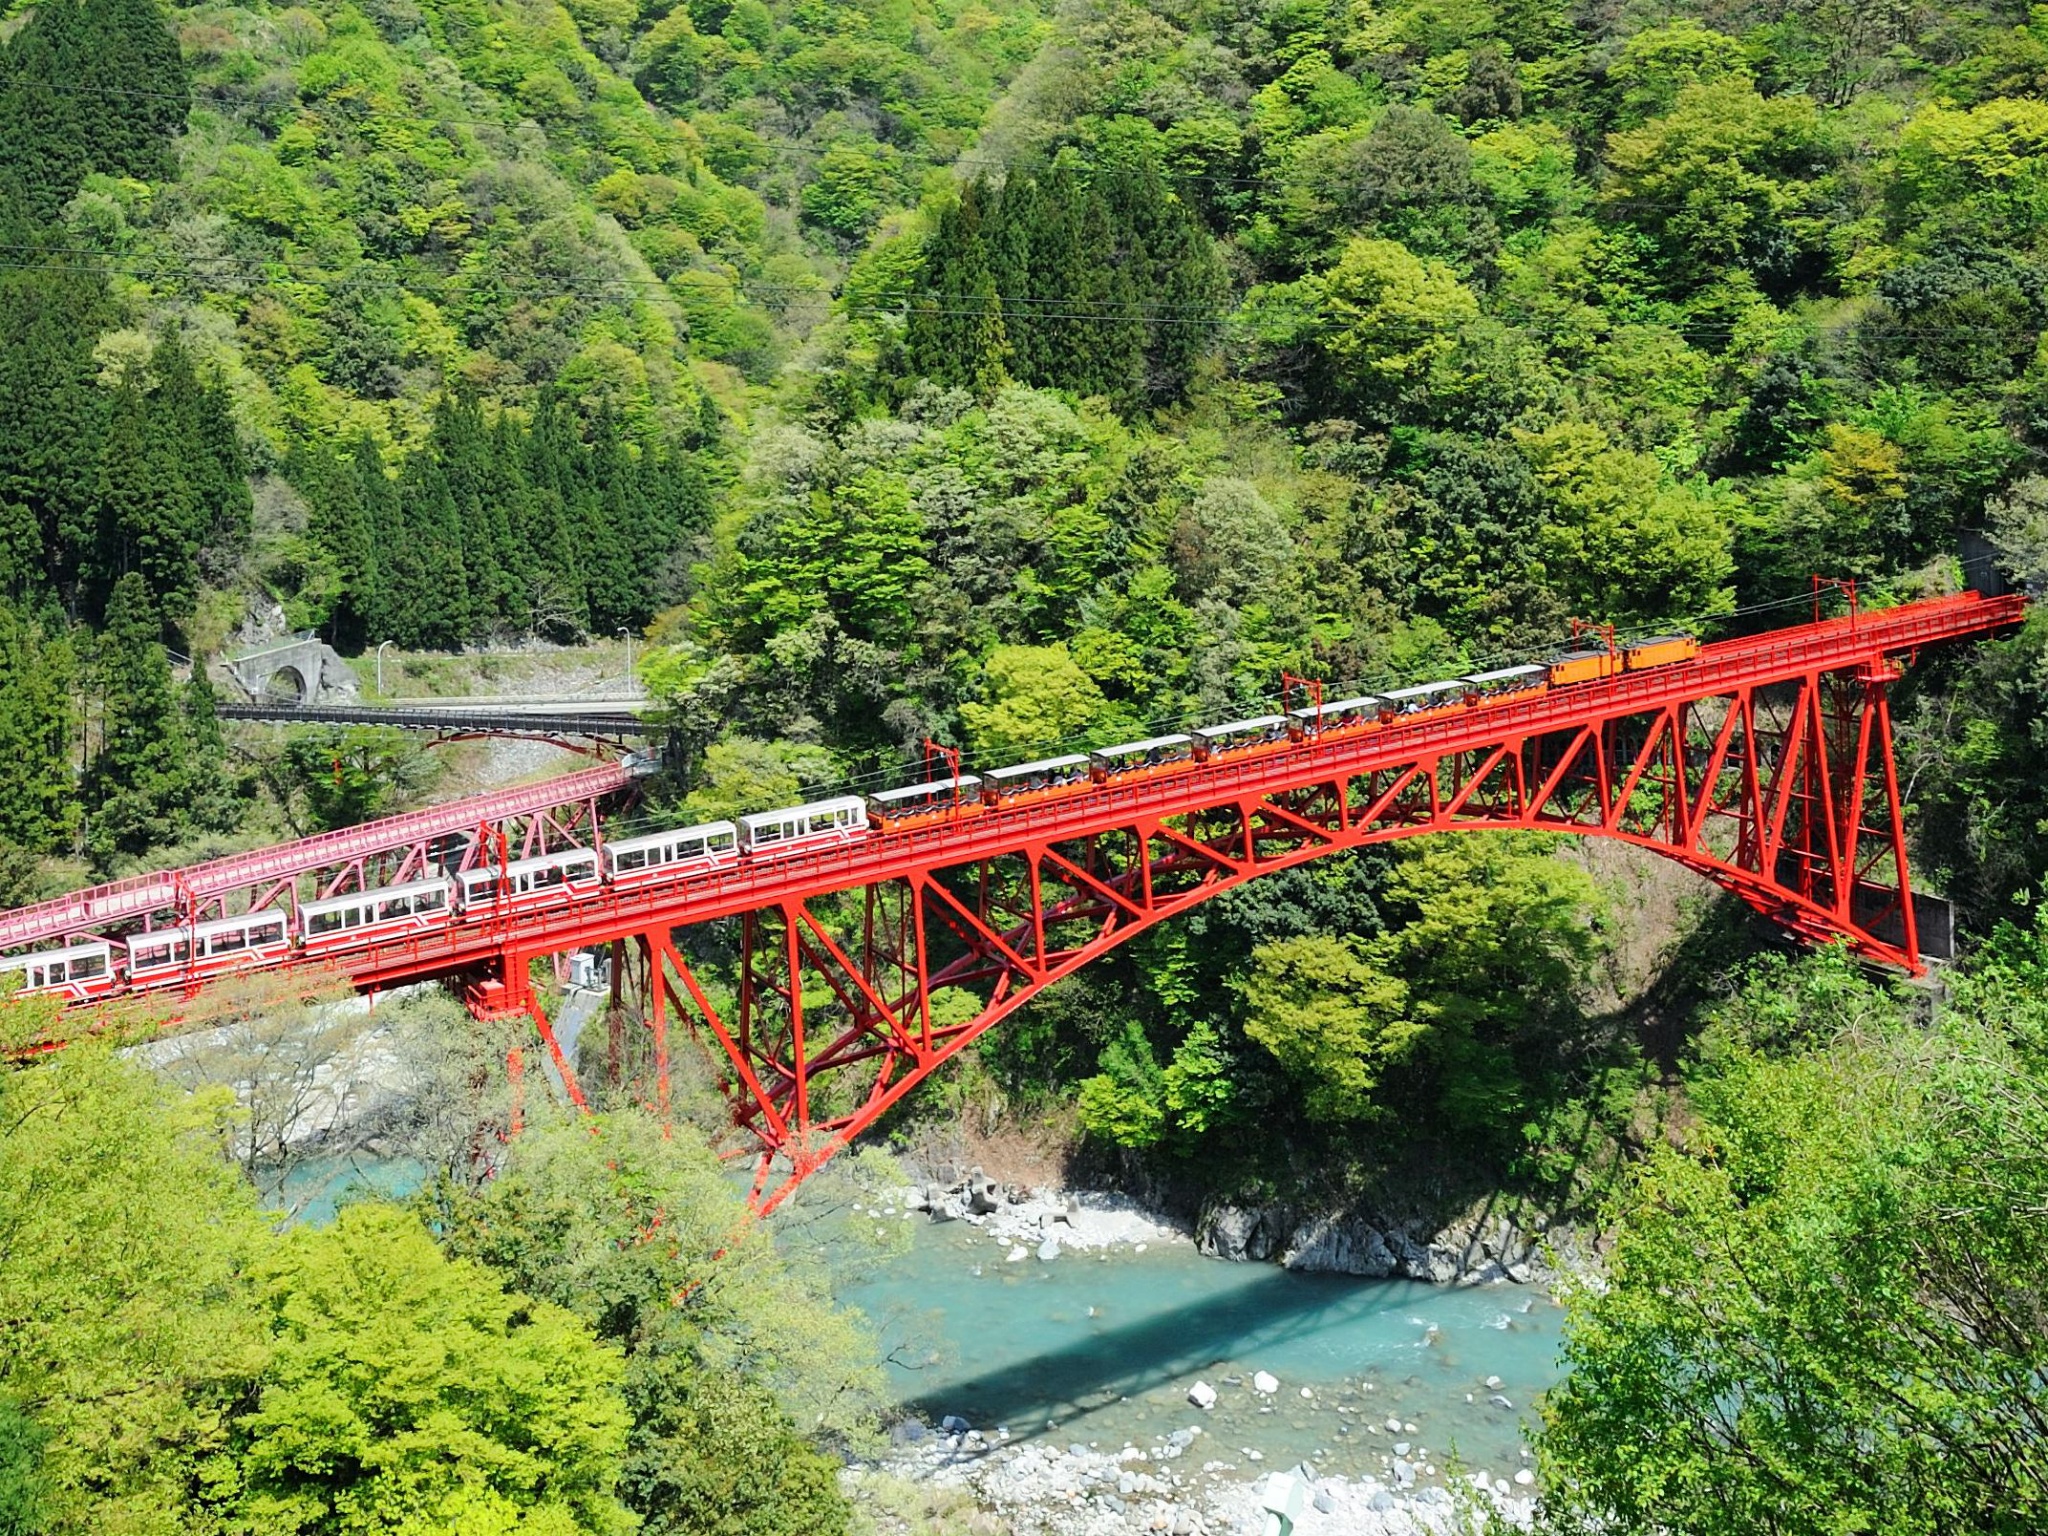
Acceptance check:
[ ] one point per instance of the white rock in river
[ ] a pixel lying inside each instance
(1047, 1250)
(1499, 1402)
(1525, 1477)
(1265, 1381)
(1202, 1395)
(1305, 1392)
(1493, 1383)
(1393, 1425)
(1016, 1253)
(1401, 1447)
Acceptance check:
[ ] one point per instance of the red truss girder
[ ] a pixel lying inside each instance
(530, 818)
(1785, 794)
(830, 980)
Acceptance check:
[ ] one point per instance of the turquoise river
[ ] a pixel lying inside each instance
(1103, 1347)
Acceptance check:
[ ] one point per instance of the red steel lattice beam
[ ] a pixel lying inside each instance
(1765, 764)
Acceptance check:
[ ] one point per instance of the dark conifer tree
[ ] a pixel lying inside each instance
(1008, 220)
(49, 129)
(138, 772)
(1058, 270)
(210, 800)
(500, 584)
(955, 331)
(134, 73)
(53, 415)
(384, 531)
(37, 728)
(554, 554)
(426, 579)
(1109, 350)
(21, 551)
(149, 519)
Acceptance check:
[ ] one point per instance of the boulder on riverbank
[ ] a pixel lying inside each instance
(1476, 1249)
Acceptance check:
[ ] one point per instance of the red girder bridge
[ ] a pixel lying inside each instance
(830, 980)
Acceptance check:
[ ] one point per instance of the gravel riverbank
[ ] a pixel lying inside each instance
(1194, 1478)
(1185, 1485)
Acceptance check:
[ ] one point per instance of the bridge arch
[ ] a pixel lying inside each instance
(822, 1013)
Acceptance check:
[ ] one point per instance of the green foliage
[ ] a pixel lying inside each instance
(1125, 1102)
(123, 1239)
(1821, 1312)
(1332, 1020)
(324, 779)
(1469, 993)
(407, 1389)
(21, 1453)
(729, 1346)
(741, 775)
(1039, 704)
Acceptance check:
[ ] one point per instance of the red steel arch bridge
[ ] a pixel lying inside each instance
(827, 980)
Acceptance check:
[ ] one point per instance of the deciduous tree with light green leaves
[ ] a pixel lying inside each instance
(1824, 1310)
(124, 1240)
(734, 1352)
(1038, 702)
(407, 1391)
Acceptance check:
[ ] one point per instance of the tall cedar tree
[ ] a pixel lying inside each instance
(92, 86)
(37, 725)
(497, 527)
(136, 780)
(1104, 286)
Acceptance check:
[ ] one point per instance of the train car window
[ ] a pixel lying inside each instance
(226, 943)
(89, 965)
(431, 901)
(632, 859)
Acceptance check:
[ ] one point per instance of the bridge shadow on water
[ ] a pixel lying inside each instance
(1267, 1311)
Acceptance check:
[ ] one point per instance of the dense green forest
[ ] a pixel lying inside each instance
(1017, 375)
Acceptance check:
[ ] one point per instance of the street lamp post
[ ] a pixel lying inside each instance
(380, 667)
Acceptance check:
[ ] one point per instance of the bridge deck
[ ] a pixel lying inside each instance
(138, 895)
(1725, 665)
(1827, 646)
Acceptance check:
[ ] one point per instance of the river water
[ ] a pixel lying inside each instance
(1102, 1348)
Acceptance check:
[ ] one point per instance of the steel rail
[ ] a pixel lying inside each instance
(139, 895)
(1724, 666)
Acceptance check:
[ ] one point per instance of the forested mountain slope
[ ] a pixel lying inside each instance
(1023, 376)
(1018, 379)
